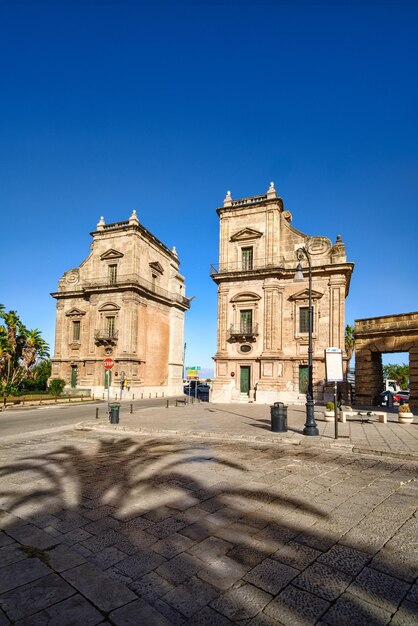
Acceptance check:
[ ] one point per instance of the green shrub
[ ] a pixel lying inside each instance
(56, 385)
(330, 406)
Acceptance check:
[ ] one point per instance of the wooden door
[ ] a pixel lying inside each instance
(245, 379)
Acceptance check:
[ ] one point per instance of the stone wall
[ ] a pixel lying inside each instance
(377, 335)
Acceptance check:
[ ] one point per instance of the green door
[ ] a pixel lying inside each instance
(303, 378)
(245, 379)
(74, 376)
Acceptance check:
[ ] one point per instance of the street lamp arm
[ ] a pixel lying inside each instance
(302, 252)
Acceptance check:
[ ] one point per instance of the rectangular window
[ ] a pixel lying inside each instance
(113, 270)
(76, 330)
(304, 319)
(110, 326)
(246, 321)
(247, 258)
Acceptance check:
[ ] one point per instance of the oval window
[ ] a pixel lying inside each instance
(245, 348)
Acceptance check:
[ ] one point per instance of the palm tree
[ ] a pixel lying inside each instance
(35, 347)
(349, 343)
(13, 324)
(19, 350)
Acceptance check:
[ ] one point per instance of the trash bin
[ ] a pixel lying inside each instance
(279, 417)
(114, 413)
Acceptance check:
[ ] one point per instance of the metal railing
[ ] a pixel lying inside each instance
(124, 280)
(106, 335)
(246, 266)
(244, 330)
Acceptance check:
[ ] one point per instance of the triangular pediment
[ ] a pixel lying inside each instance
(110, 255)
(157, 267)
(74, 312)
(304, 295)
(245, 234)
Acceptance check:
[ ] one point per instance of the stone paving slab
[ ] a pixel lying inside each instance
(97, 587)
(205, 532)
(251, 422)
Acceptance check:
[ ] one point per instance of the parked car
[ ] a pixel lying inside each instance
(403, 397)
(200, 391)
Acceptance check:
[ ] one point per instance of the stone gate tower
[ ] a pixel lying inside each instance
(262, 344)
(125, 301)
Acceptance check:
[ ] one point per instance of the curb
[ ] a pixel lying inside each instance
(278, 439)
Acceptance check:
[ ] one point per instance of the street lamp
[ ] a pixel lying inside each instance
(310, 428)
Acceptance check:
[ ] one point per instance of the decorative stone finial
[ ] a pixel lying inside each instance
(134, 219)
(338, 254)
(101, 223)
(228, 199)
(174, 251)
(271, 193)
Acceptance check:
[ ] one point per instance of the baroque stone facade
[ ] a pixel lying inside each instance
(125, 301)
(377, 335)
(262, 344)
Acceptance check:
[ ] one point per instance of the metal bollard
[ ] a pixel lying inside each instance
(97, 413)
(278, 414)
(132, 408)
(167, 404)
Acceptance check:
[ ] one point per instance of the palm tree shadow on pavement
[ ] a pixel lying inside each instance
(219, 533)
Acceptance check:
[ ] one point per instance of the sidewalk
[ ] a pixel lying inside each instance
(252, 422)
(223, 523)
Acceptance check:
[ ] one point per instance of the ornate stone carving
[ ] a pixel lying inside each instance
(72, 277)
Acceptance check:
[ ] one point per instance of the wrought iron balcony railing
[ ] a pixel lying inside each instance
(106, 336)
(134, 280)
(248, 265)
(243, 332)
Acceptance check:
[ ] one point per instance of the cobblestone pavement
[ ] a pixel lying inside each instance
(360, 433)
(100, 528)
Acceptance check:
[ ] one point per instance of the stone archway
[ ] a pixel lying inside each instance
(375, 335)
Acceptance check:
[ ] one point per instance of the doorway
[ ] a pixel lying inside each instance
(244, 379)
(73, 376)
(303, 378)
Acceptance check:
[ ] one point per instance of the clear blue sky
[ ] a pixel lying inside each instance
(163, 106)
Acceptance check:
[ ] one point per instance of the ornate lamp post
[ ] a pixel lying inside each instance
(310, 428)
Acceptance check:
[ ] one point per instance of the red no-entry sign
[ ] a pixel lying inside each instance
(108, 364)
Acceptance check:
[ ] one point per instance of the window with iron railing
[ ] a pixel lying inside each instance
(76, 330)
(110, 326)
(304, 319)
(113, 274)
(246, 321)
(247, 258)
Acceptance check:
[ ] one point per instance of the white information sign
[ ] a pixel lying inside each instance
(334, 365)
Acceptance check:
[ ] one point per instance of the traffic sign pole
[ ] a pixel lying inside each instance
(108, 364)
